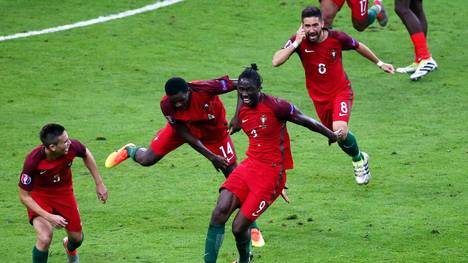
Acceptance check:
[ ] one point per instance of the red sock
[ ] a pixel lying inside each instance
(420, 46)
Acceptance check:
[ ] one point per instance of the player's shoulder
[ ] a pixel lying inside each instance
(166, 106)
(77, 147)
(273, 101)
(36, 154)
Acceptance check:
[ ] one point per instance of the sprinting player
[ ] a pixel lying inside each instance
(327, 83)
(256, 183)
(195, 115)
(411, 13)
(46, 189)
(361, 16)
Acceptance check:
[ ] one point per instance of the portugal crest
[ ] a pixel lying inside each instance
(333, 54)
(263, 119)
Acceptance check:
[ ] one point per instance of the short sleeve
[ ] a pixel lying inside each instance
(282, 108)
(79, 148)
(27, 174)
(346, 41)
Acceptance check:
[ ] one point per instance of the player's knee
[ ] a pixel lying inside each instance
(44, 239)
(239, 229)
(220, 215)
(359, 25)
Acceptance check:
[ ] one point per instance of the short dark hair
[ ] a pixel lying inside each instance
(311, 11)
(176, 85)
(50, 132)
(251, 73)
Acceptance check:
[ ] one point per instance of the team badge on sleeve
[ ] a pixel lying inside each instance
(224, 84)
(25, 179)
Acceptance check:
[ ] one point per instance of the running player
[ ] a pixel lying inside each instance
(361, 16)
(46, 189)
(320, 51)
(256, 183)
(195, 115)
(411, 13)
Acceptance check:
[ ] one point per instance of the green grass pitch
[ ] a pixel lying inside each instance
(106, 81)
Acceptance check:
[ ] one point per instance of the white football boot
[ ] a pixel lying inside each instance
(410, 69)
(361, 170)
(424, 67)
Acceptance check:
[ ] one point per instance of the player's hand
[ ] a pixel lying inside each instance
(57, 221)
(300, 34)
(101, 192)
(234, 125)
(388, 68)
(219, 162)
(336, 136)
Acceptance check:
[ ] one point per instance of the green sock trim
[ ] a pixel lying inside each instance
(350, 147)
(39, 256)
(214, 240)
(131, 150)
(73, 245)
(372, 14)
(254, 225)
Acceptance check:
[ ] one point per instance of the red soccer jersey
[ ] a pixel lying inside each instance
(50, 176)
(265, 125)
(323, 67)
(205, 115)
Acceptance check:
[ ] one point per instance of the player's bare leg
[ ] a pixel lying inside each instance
(71, 242)
(329, 10)
(240, 229)
(227, 203)
(44, 234)
(348, 144)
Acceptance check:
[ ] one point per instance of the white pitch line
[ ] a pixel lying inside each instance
(98, 20)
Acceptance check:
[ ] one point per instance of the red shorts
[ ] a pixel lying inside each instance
(167, 140)
(358, 8)
(63, 205)
(257, 186)
(337, 109)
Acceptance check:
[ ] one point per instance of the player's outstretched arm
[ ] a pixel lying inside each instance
(367, 53)
(28, 201)
(301, 119)
(218, 162)
(283, 54)
(90, 163)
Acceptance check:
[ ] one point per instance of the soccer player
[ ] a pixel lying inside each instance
(360, 15)
(256, 183)
(411, 13)
(195, 115)
(46, 189)
(327, 83)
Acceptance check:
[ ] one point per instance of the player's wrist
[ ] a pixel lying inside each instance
(296, 44)
(379, 63)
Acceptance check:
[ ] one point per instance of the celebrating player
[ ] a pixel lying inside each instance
(327, 84)
(411, 13)
(256, 183)
(360, 15)
(46, 189)
(195, 115)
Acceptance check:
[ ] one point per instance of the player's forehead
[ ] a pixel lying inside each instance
(245, 83)
(178, 96)
(311, 20)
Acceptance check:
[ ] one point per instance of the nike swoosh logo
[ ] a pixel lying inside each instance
(309, 51)
(342, 114)
(244, 121)
(42, 172)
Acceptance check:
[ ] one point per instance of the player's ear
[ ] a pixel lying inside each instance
(52, 147)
